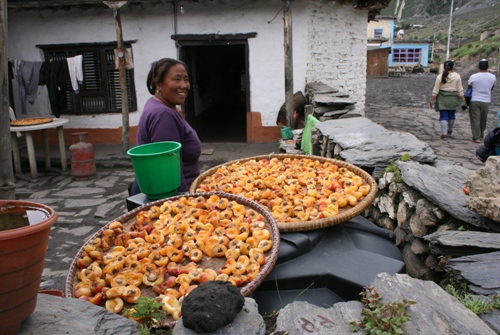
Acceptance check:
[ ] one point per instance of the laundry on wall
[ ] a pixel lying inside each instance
(57, 76)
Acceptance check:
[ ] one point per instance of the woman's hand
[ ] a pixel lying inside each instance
(431, 103)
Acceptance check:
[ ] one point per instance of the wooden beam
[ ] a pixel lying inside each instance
(7, 181)
(287, 18)
(71, 3)
(116, 5)
(212, 37)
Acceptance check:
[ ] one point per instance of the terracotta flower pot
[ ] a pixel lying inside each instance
(22, 258)
(55, 293)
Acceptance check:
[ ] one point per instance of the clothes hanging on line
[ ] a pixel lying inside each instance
(75, 71)
(26, 77)
(55, 75)
(58, 76)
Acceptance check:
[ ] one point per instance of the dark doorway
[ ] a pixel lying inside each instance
(217, 104)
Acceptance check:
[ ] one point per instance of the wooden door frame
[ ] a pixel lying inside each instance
(191, 40)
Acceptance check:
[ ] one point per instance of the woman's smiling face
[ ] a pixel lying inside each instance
(175, 86)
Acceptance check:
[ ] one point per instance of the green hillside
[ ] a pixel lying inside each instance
(429, 19)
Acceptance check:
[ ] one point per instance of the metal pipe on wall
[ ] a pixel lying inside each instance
(449, 32)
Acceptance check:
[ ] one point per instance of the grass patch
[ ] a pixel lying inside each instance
(476, 304)
(394, 168)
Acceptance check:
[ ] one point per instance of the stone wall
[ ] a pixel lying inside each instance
(337, 48)
(411, 216)
(425, 204)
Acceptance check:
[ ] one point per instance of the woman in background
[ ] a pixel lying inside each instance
(448, 95)
(168, 82)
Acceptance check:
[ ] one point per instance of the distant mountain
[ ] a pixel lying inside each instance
(422, 9)
(430, 19)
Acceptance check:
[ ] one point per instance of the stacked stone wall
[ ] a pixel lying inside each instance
(411, 216)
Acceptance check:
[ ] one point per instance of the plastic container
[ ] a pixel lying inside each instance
(157, 167)
(330, 265)
(286, 133)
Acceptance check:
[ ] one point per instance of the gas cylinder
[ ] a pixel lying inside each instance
(82, 157)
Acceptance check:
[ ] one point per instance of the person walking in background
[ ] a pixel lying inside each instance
(482, 83)
(447, 96)
(401, 33)
(168, 82)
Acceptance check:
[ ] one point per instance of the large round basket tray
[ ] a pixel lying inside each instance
(214, 263)
(344, 213)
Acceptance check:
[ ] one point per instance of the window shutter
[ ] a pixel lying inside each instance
(100, 91)
(92, 97)
(91, 71)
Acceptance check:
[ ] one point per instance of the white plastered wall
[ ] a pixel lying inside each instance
(329, 43)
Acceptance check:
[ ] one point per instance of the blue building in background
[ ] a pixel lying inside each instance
(404, 51)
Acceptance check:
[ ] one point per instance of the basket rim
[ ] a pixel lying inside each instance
(247, 289)
(313, 224)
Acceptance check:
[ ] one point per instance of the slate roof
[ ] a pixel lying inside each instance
(374, 6)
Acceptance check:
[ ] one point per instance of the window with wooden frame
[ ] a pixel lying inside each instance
(100, 91)
(407, 55)
(378, 33)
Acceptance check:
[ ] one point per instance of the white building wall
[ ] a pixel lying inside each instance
(266, 50)
(335, 53)
(337, 48)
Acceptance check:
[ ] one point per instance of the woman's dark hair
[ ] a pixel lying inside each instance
(483, 64)
(159, 70)
(448, 65)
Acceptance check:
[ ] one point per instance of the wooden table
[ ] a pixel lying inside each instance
(27, 131)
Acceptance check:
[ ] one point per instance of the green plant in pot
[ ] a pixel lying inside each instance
(24, 233)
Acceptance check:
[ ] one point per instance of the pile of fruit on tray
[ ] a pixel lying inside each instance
(167, 248)
(301, 192)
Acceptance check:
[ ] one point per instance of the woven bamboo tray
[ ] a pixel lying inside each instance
(214, 263)
(344, 214)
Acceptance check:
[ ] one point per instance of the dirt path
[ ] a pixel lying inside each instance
(402, 104)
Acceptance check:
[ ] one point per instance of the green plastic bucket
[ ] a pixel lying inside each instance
(286, 133)
(157, 168)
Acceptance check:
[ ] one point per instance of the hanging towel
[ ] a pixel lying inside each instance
(75, 71)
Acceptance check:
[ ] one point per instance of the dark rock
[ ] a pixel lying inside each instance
(492, 319)
(460, 243)
(350, 114)
(248, 322)
(415, 267)
(61, 316)
(481, 271)
(319, 87)
(211, 305)
(443, 186)
(364, 143)
(327, 99)
(435, 311)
